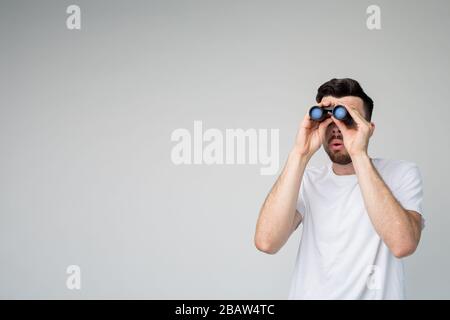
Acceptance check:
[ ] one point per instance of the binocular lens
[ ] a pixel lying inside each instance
(316, 113)
(340, 113)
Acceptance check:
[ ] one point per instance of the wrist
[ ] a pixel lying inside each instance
(360, 161)
(296, 155)
(362, 155)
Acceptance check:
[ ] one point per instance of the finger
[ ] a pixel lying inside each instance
(307, 122)
(323, 127)
(341, 125)
(324, 124)
(359, 119)
(325, 102)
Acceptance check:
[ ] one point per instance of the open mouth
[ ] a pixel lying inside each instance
(336, 145)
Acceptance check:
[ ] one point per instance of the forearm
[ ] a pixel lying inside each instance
(277, 214)
(390, 220)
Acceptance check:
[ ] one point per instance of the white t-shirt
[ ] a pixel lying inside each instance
(340, 254)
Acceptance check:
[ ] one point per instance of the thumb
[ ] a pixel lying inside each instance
(341, 125)
(324, 125)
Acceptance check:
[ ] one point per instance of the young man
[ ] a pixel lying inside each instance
(360, 215)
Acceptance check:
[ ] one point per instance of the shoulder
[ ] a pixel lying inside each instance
(393, 163)
(396, 170)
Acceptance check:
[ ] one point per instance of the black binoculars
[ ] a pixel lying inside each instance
(339, 112)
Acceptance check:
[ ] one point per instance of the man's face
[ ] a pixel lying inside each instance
(334, 140)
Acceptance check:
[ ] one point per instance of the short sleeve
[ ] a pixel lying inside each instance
(409, 190)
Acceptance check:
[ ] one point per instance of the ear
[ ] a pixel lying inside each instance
(372, 128)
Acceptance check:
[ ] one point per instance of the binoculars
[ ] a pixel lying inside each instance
(339, 112)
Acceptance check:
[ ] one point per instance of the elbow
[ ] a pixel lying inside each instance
(404, 249)
(265, 246)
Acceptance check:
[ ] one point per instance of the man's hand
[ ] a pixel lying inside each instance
(356, 139)
(310, 135)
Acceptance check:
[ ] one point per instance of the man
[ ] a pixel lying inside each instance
(360, 215)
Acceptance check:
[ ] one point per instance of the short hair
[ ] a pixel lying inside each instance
(339, 88)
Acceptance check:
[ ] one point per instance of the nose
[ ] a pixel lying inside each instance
(335, 129)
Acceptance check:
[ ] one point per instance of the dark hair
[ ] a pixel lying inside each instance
(339, 88)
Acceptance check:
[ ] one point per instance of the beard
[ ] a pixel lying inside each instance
(338, 157)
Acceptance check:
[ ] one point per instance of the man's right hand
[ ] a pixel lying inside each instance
(310, 135)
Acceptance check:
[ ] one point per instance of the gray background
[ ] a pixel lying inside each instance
(86, 117)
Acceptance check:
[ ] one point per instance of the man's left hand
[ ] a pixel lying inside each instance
(356, 138)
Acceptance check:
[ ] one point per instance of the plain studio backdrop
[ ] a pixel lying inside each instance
(86, 117)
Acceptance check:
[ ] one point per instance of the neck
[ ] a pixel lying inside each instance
(343, 169)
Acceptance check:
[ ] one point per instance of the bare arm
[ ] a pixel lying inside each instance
(400, 229)
(278, 217)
